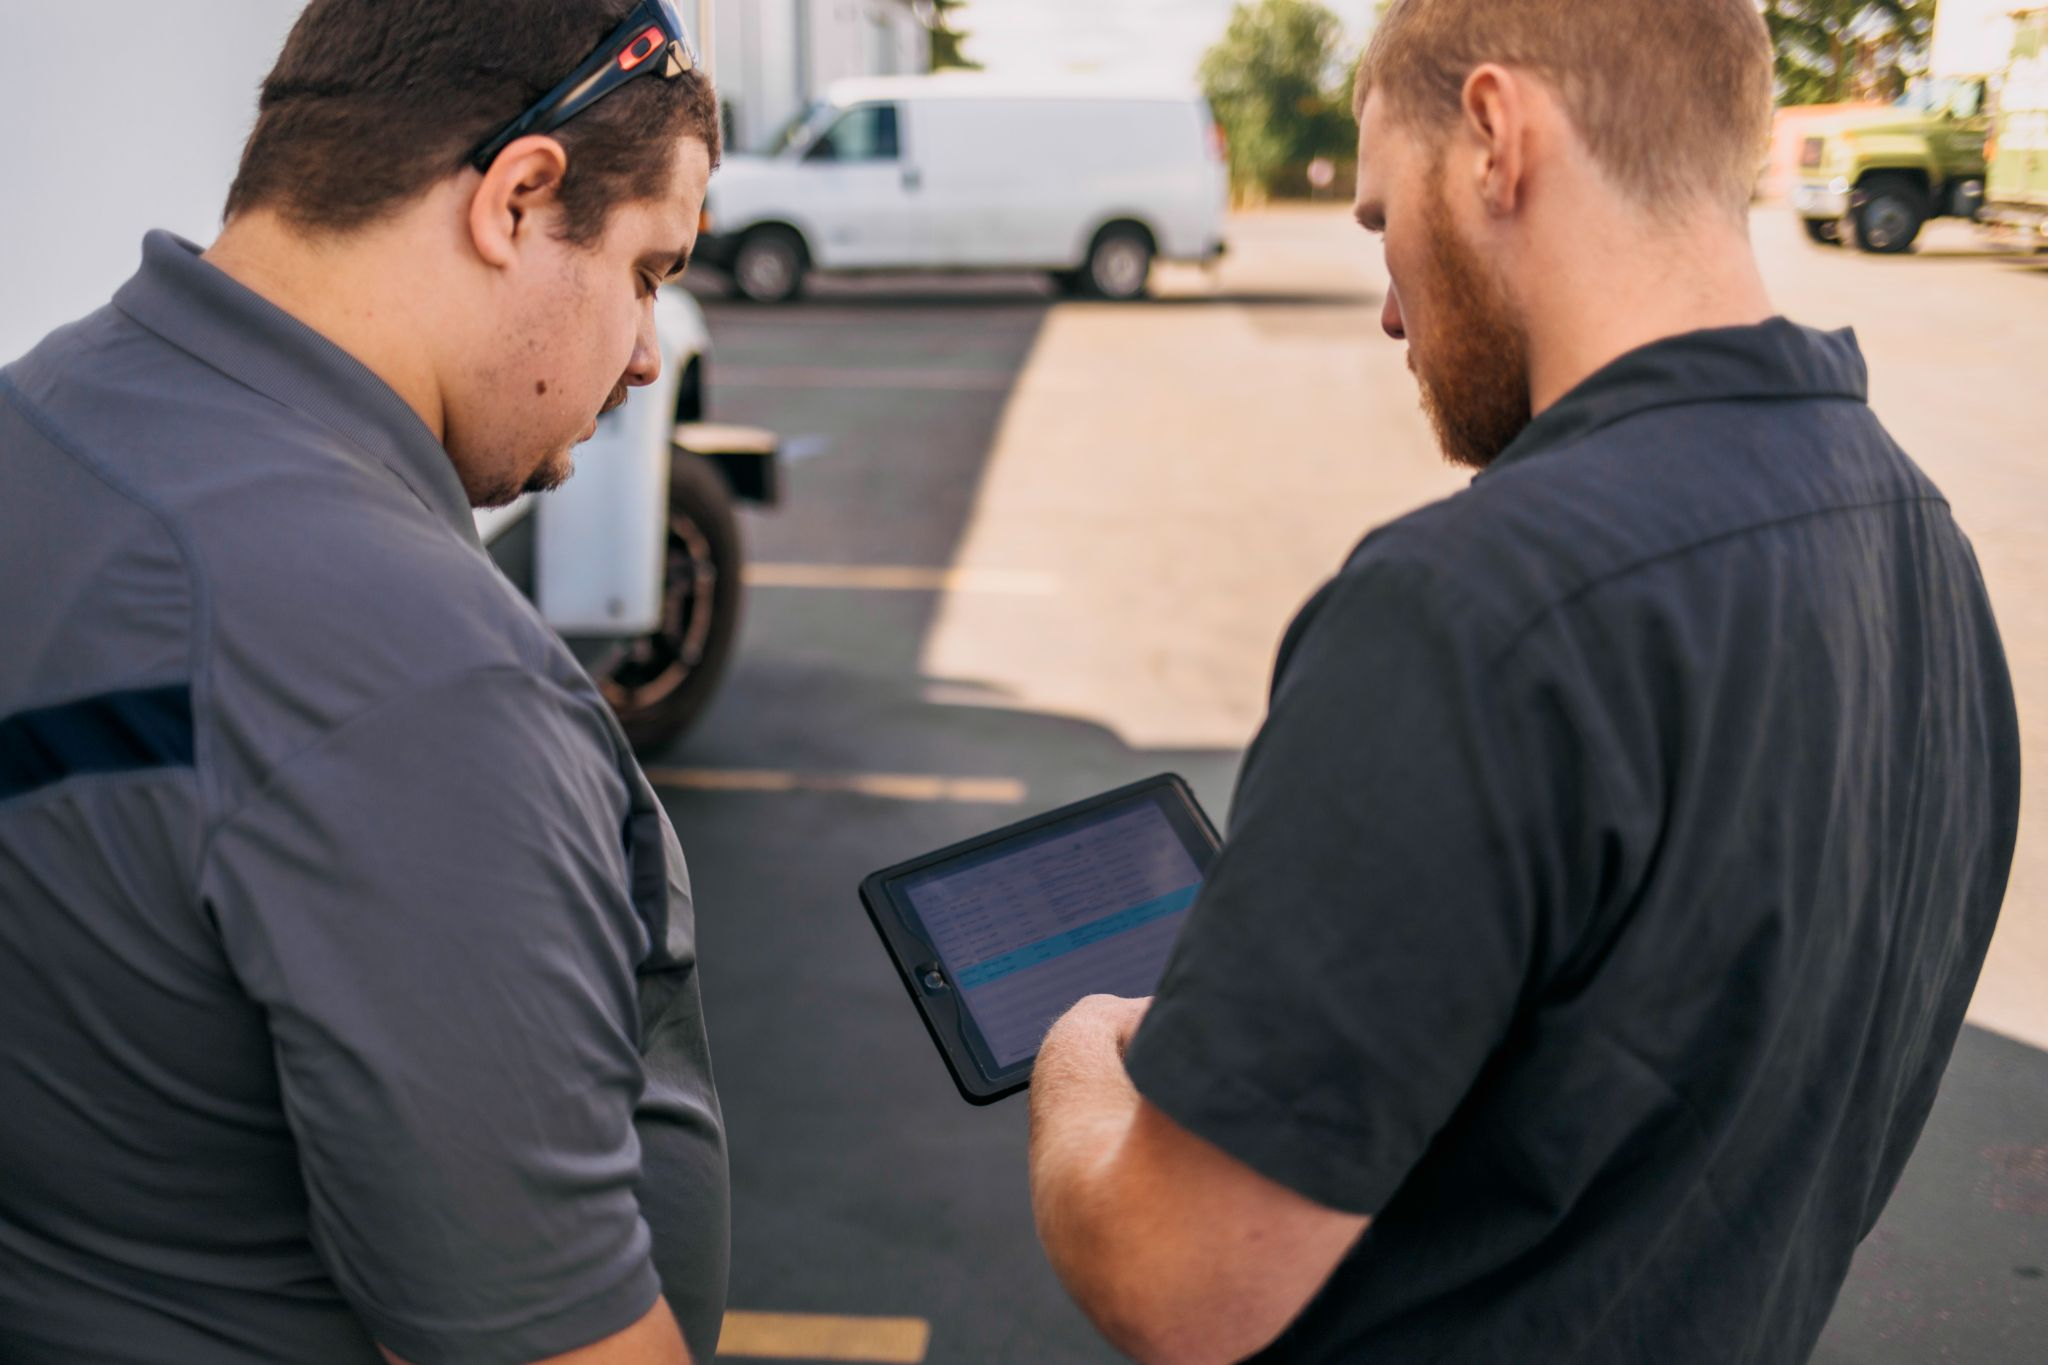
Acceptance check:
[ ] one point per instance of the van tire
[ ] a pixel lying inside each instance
(769, 265)
(1888, 219)
(1119, 263)
(658, 684)
(1826, 231)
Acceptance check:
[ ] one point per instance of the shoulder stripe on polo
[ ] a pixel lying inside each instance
(110, 733)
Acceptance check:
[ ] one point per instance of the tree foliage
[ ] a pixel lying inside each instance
(1279, 85)
(946, 40)
(1834, 50)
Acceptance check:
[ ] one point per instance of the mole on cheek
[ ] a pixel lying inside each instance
(540, 386)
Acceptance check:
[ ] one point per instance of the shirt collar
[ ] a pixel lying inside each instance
(200, 309)
(1771, 360)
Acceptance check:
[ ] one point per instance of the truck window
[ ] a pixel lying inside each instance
(864, 133)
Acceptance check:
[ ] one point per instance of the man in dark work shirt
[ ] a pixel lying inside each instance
(1606, 887)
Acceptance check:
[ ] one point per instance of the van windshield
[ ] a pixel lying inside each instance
(798, 133)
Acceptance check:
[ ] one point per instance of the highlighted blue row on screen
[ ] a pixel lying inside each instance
(1046, 949)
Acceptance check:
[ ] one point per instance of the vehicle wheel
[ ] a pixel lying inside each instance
(658, 684)
(1826, 231)
(769, 265)
(1890, 216)
(1119, 264)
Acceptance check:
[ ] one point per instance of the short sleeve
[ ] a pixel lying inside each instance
(1361, 943)
(432, 909)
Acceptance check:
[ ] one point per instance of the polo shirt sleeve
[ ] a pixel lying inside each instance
(1360, 945)
(431, 906)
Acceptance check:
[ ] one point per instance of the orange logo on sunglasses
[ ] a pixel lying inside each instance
(641, 48)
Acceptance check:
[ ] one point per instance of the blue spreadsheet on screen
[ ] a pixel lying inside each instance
(1027, 932)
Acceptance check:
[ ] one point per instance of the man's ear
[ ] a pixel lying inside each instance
(526, 177)
(1494, 123)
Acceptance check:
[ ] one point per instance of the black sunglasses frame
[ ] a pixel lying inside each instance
(648, 41)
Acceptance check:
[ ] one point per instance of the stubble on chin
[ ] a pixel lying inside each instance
(502, 490)
(553, 472)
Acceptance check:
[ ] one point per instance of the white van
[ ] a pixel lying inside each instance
(1090, 182)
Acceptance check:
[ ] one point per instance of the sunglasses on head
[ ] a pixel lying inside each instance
(648, 41)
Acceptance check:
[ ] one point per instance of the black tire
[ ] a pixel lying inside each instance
(1888, 216)
(1119, 264)
(1826, 231)
(770, 265)
(658, 684)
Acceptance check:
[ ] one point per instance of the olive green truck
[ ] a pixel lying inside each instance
(1874, 179)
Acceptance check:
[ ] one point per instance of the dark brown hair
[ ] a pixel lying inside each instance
(1673, 100)
(372, 102)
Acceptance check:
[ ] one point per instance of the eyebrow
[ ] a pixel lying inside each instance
(1371, 217)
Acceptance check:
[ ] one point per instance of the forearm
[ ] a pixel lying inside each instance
(1082, 1108)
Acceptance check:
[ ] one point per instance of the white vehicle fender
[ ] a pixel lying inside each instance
(602, 538)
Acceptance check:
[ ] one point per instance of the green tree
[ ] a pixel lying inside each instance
(1834, 50)
(1277, 82)
(946, 40)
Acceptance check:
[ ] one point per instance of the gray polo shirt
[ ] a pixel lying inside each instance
(347, 961)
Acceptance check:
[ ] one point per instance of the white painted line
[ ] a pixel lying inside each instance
(797, 449)
(824, 1336)
(850, 377)
(903, 578)
(962, 791)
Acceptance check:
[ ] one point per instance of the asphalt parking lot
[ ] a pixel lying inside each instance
(1033, 549)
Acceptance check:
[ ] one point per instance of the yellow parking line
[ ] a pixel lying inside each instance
(969, 791)
(902, 578)
(821, 1336)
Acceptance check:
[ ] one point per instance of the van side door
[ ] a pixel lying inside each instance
(1007, 182)
(862, 197)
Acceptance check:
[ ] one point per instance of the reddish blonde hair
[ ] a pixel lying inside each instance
(1671, 97)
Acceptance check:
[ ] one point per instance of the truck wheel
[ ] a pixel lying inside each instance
(1826, 231)
(1119, 264)
(658, 684)
(769, 265)
(1890, 216)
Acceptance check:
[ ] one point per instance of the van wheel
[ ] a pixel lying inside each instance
(1119, 264)
(769, 265)
(1826, 231)
(1890, 216)
(658, 684)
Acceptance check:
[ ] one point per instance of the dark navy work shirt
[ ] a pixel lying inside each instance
(1605, 890)
(348, 979)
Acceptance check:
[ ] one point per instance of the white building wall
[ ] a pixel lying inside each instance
(163, 96)
(773, 57)
(1972, 37)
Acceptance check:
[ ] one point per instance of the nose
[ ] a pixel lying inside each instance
(1390, 315)
(645, 366)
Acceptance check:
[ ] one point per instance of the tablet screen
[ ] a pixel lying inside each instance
(1026, 929)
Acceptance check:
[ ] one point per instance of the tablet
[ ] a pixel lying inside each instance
(997, 937)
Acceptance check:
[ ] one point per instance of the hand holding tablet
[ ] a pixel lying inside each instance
(995, 938)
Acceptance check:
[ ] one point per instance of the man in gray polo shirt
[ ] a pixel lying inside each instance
(347, 965)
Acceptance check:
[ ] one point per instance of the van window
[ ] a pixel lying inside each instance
(865, 133)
